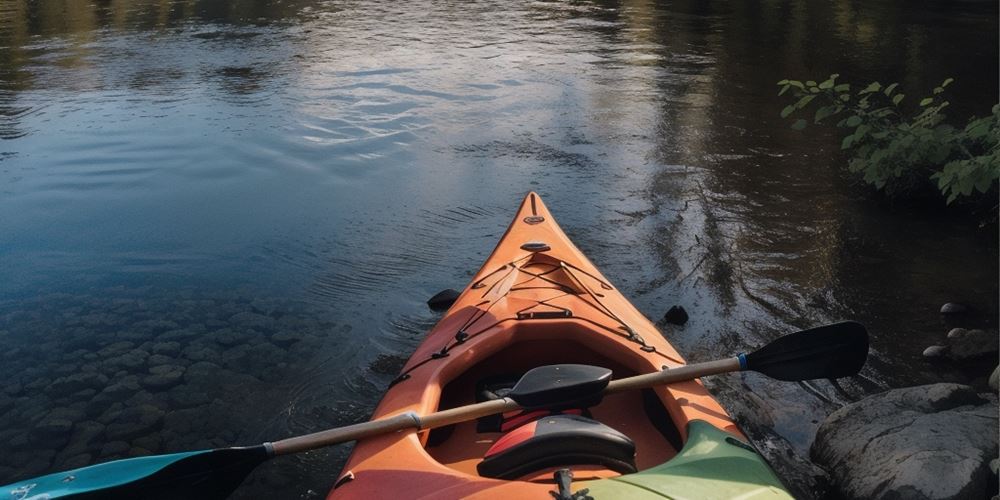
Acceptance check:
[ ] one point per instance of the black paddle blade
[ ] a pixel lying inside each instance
(831, 351)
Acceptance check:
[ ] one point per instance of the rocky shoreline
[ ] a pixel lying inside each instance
(934, 442)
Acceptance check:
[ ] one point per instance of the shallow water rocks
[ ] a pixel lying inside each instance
(926, 442)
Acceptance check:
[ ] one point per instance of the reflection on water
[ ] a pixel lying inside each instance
(336, 163)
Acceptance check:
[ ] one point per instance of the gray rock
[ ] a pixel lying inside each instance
(926, 442)
(970, 344)
(64, 386)
(180, 334)
(935, 351)
(286, 338)
(86, 436)
(956, 332)
(159, 359)
(163, 377)
(166, 348)
(134, 422)
(76, 461)
(995, 379)
(953, 308)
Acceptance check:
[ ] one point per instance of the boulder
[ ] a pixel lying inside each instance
(969, 344)
(926, 442)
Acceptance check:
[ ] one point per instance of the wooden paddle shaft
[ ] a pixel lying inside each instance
(391, 424)
(442, 418)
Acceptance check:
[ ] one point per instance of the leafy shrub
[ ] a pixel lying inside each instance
(896, 148)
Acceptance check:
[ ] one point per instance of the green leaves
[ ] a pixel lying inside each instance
(892, 145)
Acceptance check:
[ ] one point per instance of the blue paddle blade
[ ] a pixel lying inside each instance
(206, 474)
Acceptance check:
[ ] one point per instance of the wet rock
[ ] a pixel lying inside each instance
(86, 435)
(956, 332)
(76, 461)
(676, 315)
(953, 308)
(54, 430)
(70, 384)
(202, 372)
(442, 300)
(150, 442)
(969, 344)
(114, 448)
(134, 422)
(387, 364)
(225, 337)
(131, 360)
(935, 351)
(995, 379)
(163, 377)
(178, 335)
(234, 358)
(253, 320)
(928, 442)
(159, 359)
(187, 396)
(200, 353)
(166, 348)
(157, 325)
(286, 338)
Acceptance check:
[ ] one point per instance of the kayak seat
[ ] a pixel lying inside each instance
(558, 440)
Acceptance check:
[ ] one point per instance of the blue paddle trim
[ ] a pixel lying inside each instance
(743, 361)
(94, 477)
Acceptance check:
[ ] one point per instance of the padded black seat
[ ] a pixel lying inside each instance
(558, 440)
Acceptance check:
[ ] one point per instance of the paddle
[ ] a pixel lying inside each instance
(831, 351)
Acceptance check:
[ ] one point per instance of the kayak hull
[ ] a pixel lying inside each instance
(538, 301)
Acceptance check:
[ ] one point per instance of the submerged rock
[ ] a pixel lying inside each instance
(925, 442)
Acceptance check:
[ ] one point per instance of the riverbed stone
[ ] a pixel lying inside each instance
(970, 344)
(935, 351)
(163, 377)
(953, 308)
(286, 338)
(76, 461)
(248, 319)
(134, 422)
(64, 386)
(114, 448)
(166, 348)
(926, 442)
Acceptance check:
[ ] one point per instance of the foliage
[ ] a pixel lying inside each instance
(894, 146)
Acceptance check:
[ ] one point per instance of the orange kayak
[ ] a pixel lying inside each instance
(539, 301)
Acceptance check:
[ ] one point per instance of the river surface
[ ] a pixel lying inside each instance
(219, 220)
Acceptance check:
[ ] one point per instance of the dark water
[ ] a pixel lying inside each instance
(219, 220)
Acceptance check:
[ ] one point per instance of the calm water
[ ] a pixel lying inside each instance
(219, 220)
